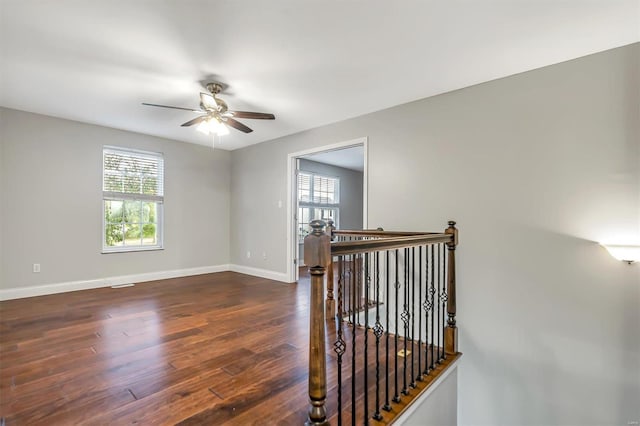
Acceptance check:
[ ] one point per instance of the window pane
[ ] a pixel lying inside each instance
(303, 222)
(132, 234)
(149, 212)
(132, 211)
(113, 235)
(149, 236)
(113, 211)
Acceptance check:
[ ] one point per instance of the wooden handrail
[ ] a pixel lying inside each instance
(363, 246)
(377, 233)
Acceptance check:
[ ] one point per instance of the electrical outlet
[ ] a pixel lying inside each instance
(36, 268)
(264, 255)
(248, 255)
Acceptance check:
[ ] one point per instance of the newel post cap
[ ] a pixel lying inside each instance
(453, 231)
(317, 246)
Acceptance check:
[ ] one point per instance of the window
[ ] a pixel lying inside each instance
(318, 198)
(132, 198)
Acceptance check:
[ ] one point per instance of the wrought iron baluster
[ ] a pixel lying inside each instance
(405, 320)
(358, 292)
(387, 404)
(443, 298)
(419, 376)
(436, 301)
(377, 331)
(367, 282)
(339, 346)
(413, 315)
(396, 396)
(425, 306)
(432, 292)
(346, 293)
(353, 348)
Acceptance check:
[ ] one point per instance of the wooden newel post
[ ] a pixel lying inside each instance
(330, 302)
(451, 331)
(317, 256)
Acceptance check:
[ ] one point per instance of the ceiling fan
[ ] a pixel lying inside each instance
(215, 114)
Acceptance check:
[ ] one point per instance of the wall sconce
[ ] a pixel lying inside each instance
(627, 254)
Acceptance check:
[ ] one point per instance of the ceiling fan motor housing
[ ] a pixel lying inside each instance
(214, 88)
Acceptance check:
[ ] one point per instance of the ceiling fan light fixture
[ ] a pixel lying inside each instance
(212, 126)
(218, 128)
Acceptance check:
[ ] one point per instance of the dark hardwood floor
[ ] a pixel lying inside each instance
(203, 349)
(213, 349)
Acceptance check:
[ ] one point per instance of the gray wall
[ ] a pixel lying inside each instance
(535, 168)
(350, 191)
(51, 192)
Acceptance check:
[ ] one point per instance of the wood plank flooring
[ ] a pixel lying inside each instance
(213, 349)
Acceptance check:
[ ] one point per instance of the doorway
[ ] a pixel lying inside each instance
(328, 182)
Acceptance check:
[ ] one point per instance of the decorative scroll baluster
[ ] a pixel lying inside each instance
(432, 292)
(451, 340)
(358, 292)
(387, 405)
(367, 282)
(437, 302)
(443, 300)
(354, 324)
(425, 305)
(340, 346)
(317, 254)
(396, 396)
(350, 286)
(377, 331)
(413, 316)
(405, 321)
(419, 376)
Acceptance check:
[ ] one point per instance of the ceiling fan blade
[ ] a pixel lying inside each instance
(208, 101)
(172, 107)
(237, 125)
(252, 115)
(196, 120)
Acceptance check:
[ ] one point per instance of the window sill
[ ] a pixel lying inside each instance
(130, 249)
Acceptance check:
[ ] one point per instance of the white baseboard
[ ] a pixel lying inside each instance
(41, 290)
(257, 272)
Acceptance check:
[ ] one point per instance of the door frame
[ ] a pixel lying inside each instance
(292, 198)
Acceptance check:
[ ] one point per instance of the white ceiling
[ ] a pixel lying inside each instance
(309, 62)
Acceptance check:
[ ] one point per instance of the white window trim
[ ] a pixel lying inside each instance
(117, 196)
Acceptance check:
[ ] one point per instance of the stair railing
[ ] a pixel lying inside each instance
(394, 315)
